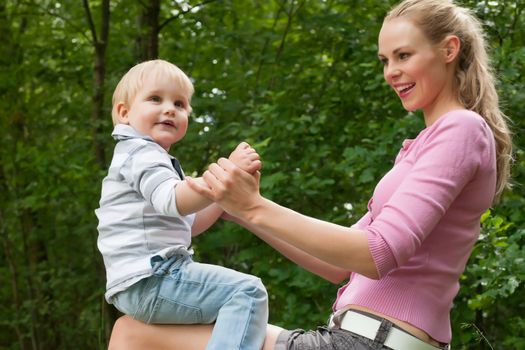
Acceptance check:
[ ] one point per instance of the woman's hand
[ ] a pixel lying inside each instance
(235, 190)
(227, 217)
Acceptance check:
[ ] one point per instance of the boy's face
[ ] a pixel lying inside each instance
(160, 110)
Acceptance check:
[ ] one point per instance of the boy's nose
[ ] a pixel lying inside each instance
(169, 109)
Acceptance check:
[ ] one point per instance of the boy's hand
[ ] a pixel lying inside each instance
(246, 158)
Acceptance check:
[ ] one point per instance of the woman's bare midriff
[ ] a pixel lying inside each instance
(416, 332)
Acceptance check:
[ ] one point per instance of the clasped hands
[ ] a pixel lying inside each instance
(233, 182)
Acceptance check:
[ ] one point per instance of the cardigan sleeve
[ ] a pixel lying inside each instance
(363, 222)
(446, 161)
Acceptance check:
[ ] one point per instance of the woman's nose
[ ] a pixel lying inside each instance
(391, 72)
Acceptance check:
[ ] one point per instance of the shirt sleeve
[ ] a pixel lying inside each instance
(149, 172)
(363, 222)
(446, 161)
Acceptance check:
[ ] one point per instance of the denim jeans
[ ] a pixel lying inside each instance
(185, 292)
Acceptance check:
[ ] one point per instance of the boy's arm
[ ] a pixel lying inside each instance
(205, 218)
(188, 201)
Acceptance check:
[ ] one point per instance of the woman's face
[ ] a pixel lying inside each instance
(414, 67)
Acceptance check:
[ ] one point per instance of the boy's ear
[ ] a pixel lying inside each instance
(122, 113)
(452, 45)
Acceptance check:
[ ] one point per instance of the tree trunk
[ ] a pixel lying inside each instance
(7, 245)
(100, 41)
(148, 36)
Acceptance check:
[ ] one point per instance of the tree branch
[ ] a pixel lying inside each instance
(48, 11)
(91, 23)
(517, 15)
(265, 46)
(104, 33)
(172, 18)
(291, 13)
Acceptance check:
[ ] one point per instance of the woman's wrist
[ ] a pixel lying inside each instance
(255, 214)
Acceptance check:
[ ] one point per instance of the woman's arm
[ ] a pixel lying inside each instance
(327, 271)
(237, 192)
(336, 245)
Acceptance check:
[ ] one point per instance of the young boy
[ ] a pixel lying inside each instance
(148, 215)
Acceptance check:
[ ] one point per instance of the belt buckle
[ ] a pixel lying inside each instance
(334, 321)
(330, 322)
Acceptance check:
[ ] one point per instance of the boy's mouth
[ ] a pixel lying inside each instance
(167, 123)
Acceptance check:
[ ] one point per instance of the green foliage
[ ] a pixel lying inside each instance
(495, 273)
(297, 79)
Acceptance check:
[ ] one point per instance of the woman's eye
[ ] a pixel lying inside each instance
(383, 61)
(404, 56)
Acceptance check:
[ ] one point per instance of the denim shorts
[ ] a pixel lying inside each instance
(324, 338)
(331, 338)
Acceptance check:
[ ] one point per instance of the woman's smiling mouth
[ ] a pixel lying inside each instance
(404, 89)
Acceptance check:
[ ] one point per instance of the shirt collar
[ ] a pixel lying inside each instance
(123, 132)
(126, 132)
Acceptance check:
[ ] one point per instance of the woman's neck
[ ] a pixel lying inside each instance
(434, 112)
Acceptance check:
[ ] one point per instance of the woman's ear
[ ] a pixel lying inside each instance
(452, 45)
(122, 113)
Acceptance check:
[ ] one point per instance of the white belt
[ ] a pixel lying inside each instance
(396, 339)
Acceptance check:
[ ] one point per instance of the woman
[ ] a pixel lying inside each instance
(405, 256)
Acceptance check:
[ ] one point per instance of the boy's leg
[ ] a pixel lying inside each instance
(243, 316)
(200, 293)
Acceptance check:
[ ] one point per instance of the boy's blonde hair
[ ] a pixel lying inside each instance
(133, 80)
(474, 77)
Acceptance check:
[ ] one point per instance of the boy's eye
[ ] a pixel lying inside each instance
(179, 104)
(155, 98)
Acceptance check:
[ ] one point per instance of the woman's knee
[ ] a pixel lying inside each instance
(122, 334)
(272, 333)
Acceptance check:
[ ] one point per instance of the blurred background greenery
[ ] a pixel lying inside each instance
(299, 79)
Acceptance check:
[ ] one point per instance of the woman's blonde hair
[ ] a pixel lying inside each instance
(134, 79)
(474, 75)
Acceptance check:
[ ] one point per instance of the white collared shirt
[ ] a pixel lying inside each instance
(138, 216)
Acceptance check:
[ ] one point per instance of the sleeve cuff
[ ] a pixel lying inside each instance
(381, 253)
